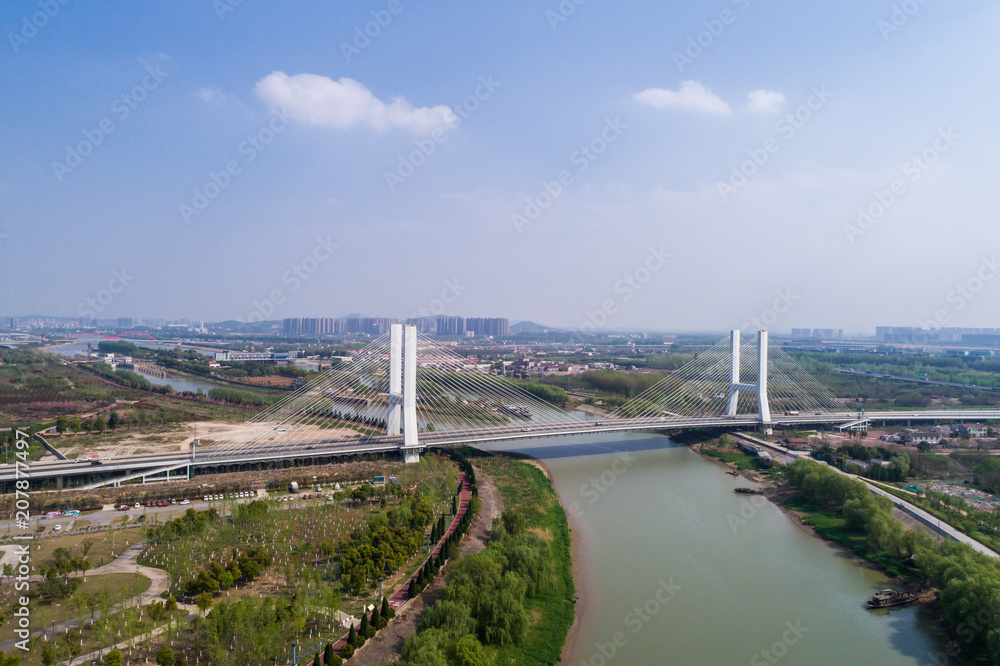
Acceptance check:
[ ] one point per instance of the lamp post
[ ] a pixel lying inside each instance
(294, 646)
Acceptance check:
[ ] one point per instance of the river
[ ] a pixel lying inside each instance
(673, 567)
(178, 383)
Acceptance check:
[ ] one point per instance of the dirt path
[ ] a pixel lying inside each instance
(387, 646)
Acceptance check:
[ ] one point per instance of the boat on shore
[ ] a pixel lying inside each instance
(890, 598)
(749, 491)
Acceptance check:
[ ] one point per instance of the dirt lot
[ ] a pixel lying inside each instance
(178, 438)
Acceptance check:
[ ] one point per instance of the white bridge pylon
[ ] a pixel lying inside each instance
(403, 388)
(759, 387)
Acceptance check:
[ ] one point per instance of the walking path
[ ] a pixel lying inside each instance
(159, 582)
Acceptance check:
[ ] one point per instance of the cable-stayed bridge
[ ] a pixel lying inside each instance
(405, 392)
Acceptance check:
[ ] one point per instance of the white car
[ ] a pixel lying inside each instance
(57, 528)
(205, 498)
(185, 501)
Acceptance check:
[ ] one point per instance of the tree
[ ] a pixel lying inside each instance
(62, 424)
(48, 655)
(100, 425)
(165, 656)
(352, 639)
(328, 654)
(113, 658)
(366, 631)
(346, 651)
(387, 612)
(113, 420)
(203, 601)
(513, 521)
(316, 660)
(75, 425)
(171, 604)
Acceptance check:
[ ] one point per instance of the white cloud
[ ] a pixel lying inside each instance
(692, 96)
(764, 101)
(319, 100)
(213, 96)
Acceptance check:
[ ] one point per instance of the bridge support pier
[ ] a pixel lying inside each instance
(759, 388)
(403, 389)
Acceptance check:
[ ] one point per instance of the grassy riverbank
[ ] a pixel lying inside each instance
(527, 489)
(832, 526)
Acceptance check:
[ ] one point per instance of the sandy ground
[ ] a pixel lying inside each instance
(387, 645)
(211, 433)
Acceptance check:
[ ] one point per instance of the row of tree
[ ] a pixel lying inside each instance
(969, 581)
(484, 601)
(384, 544)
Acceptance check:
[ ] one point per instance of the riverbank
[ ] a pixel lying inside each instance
(524, 484)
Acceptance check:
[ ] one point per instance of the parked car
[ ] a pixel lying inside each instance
(185, 501)
(57, 528)
(71, 512)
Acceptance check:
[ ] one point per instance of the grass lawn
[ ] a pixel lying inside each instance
(100, 551)
(120, 586)
(524, 487)
(742, 460)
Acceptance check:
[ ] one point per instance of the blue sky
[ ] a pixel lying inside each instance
(874, 84)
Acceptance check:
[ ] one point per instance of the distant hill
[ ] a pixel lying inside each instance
(531, 327)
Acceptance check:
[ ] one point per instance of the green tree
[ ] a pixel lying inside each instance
(113, 420)
(48, 654)
(165, 656)
(203, 601)
(328, 654)
(387, 612)
(75, 425)
(100, 425)
(113, 658)
(62, 424)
